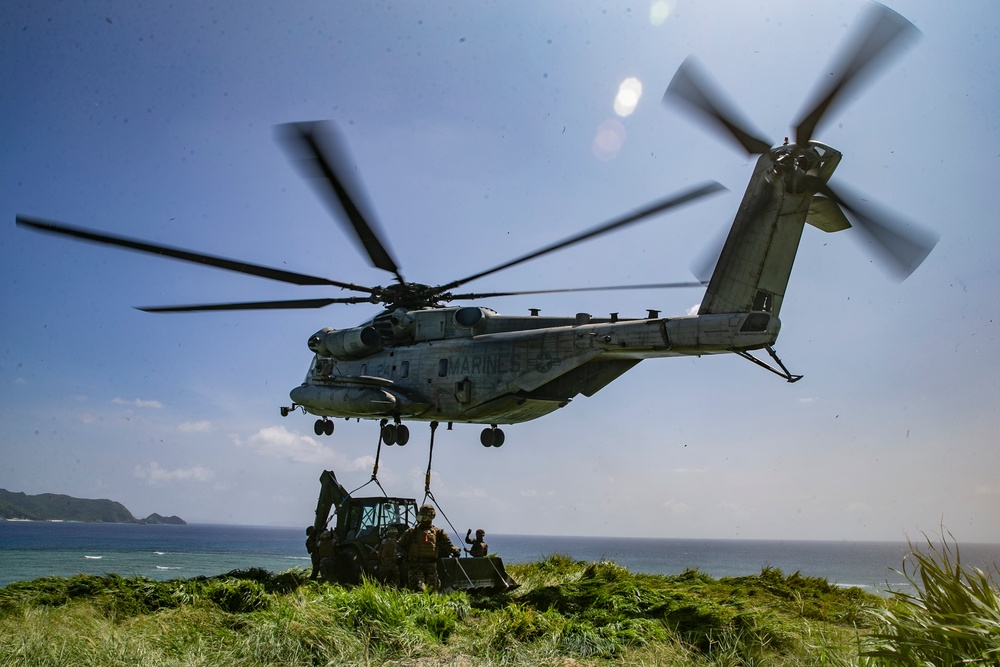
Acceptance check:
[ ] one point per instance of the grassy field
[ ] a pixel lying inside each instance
(566, 613)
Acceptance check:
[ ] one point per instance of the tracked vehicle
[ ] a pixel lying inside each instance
(361, 525)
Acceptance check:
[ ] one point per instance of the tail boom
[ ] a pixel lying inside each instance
(756, 261)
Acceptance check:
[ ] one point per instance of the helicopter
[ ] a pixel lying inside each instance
(424, 358)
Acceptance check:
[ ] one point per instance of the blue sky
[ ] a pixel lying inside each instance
(474, 130)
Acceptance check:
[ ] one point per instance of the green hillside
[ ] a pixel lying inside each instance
(59, 507)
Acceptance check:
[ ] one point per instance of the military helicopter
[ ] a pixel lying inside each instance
(422, 359)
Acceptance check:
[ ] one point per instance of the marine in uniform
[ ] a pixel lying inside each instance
(312, 547)
(388, 571)
(479, 547)
(420, 546)
(325, 553)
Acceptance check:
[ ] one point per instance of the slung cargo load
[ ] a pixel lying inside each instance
(353, 547)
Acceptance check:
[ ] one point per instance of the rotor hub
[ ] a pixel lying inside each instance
(802, 169)
(411, 296)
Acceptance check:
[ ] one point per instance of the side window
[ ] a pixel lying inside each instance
(404, 369)
(369, 520)
(442, 368)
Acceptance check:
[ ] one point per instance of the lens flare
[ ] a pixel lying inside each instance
(609, 139)
(628, 96)
(659, 11)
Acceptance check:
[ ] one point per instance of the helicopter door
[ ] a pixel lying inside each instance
(463, 390)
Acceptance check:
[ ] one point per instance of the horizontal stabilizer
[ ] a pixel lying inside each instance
(825, 214)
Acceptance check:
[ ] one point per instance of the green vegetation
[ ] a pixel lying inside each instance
(59, 507)
(49, 506)
(953, 618)
(566, 613)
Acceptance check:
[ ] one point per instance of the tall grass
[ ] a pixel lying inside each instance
(567, 613)
(952, 618)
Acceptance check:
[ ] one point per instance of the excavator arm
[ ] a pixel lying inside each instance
(331, 494)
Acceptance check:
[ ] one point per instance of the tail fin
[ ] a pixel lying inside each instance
(756, 261)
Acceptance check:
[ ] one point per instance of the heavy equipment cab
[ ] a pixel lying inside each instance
(362, 524)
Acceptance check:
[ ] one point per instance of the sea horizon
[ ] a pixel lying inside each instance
(296, 526)
(33, 549)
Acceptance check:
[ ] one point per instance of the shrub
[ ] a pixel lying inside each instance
(953, 618)
(237, 596)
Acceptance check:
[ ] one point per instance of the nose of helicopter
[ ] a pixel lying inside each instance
(298, 394)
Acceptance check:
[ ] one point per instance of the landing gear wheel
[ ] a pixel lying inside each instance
(402, 434)
(488, 437)
(498, 438)
(389, 434)
(328, 427)
(318, 427)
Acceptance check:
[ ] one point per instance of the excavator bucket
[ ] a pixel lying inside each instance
(475, 575)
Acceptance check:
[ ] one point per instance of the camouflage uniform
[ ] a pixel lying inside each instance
(387, 569)
(312, 548)
(326, 551)
(421, 546)
(479, 547)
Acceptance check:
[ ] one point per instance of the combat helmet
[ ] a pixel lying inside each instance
(426, 510)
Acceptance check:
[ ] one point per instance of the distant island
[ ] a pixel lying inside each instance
(59, 507)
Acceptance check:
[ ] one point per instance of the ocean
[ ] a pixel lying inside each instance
(29, 550)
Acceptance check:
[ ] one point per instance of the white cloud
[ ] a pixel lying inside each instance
(202, 426)
(693, 310)
(735, 509)
(279, 442)
(155, 474)
(532, 493)
(676, 507)
(137, 403)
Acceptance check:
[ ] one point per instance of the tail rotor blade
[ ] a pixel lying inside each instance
(693, 86)
(884, 33)
(902, 245)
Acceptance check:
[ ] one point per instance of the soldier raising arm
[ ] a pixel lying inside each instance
(479, 546)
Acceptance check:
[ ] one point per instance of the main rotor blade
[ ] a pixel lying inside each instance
(657, 207)
(694, 87)
(322, 157)
(489, 295)
(901, 244)
(253, 305)
(884, 33)
(60, 229)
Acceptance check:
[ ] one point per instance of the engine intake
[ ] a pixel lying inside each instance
(355, 343)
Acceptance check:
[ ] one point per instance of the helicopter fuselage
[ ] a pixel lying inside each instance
(472, 365)
(422, 359)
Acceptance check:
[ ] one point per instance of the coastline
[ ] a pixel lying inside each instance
(31, 549)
